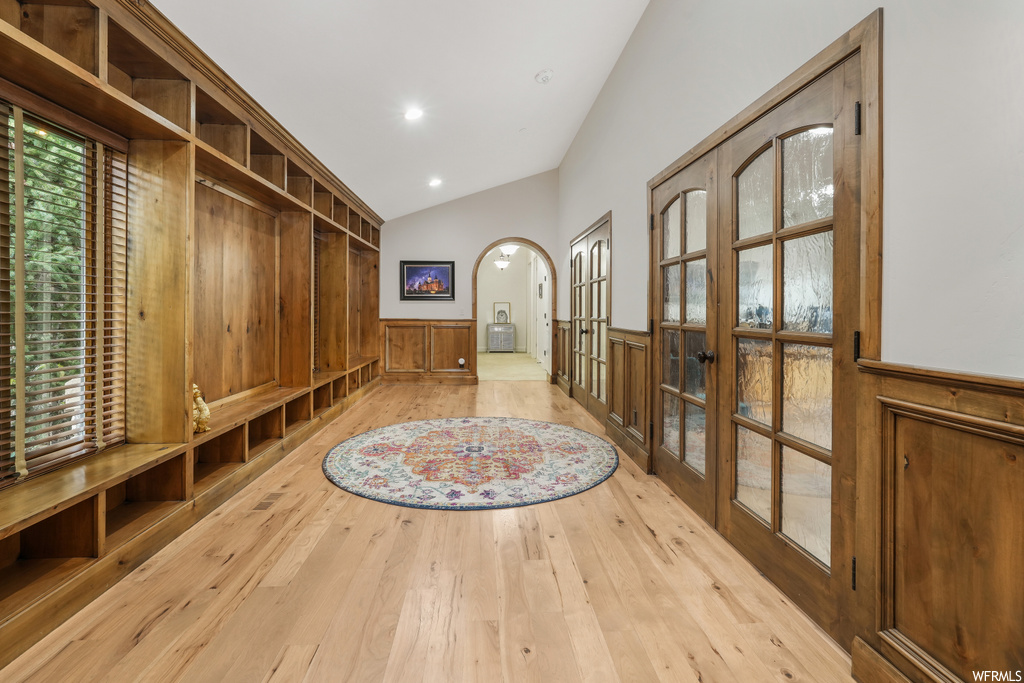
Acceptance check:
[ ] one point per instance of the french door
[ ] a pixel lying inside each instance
(686, 337)
(756, 411)
(591, 269)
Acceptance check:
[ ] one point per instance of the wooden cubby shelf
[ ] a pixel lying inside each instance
(234, 176)
(267, 161)
(219, 128)
(300, 183)
(265, 431)
(322, 400)
(49, 75)
(323, 200)
(135, 70)
(340, 388)
(138, 502)
(297, 413)
(216, 458)
(40, 557)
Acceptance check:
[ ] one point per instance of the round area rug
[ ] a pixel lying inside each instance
(470, 463)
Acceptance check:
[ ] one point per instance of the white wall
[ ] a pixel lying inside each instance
(953, 292)
(460, 230)
(510, 284)
(541, 334)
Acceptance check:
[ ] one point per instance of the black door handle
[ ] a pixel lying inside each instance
(582, 331)
(708, 356)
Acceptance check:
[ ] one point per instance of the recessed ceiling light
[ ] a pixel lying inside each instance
(544, 76)
(434, 182)
(413, 113)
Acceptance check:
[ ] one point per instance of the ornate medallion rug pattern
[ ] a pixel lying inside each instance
(470, 463)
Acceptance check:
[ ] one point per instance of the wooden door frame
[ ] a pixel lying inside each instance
(606, 218)
(866, 39)
(539, 250)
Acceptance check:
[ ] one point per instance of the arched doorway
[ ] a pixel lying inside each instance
(532, 316)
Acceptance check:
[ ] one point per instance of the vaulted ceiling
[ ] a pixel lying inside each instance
(340, 75)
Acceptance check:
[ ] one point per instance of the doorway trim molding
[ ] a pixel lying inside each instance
(522, 241)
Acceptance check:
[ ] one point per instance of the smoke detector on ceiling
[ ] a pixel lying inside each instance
(544, 76)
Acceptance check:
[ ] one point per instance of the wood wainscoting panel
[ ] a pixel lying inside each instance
(629, 418)
(956, 534)
(940, 527)
(448, 344)
(428, 351)
(405, 348)
(563, 355)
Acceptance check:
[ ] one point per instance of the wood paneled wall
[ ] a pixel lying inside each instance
(234, 302)
(425, 351)
(629, 416)
(941, 471)
(561, 364)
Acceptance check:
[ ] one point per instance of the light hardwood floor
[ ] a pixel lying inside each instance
(294, 579)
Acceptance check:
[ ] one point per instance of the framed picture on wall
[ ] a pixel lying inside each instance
(502, 312)
(427, 280)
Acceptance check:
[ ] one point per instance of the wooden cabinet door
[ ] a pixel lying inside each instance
(686, 303)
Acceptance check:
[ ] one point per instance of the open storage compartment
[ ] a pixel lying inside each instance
(297, 413)
(136, 503)
(266, 161)
(215, 458)
(340, 388)
(323, 200)
(219, 128)
(38, 558)
(265, 431)
(41, 21)
(321, 399)
(300, 183)
(136, 71)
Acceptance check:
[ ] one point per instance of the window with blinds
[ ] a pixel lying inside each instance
(63, 295)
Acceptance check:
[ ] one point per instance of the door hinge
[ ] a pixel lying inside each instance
(856, 118)
(650, 326)
(856, 346)
(650, 430)
(853, 573)
(652, 222)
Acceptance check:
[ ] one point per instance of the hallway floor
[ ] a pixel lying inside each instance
(511, 367)
(294, 579)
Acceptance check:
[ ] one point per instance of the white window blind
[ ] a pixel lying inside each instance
(62, 296)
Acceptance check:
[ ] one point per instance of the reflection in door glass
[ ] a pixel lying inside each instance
(670, 425)
(754, 194)
(807, 283)
(670, 358)
(754, 380)
(807, 503)
(670, 293)
(694, 372)
(754, 472)
(693, 453)
(755, 288)
(671, 237)
(696, 292)
(696, 220)
(807, 176)
(807, 392)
